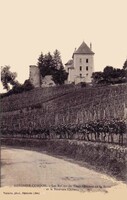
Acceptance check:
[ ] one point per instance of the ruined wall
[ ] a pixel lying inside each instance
(35, 78)
(55, 106)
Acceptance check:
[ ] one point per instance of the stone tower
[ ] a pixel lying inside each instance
(35, 78)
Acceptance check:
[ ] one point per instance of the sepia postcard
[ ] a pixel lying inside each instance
(63, 99)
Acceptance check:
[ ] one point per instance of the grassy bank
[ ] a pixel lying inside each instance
(111, 159)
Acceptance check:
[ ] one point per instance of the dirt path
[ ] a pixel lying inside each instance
(30, 168)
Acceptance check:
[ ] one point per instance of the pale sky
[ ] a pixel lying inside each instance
(29, 27)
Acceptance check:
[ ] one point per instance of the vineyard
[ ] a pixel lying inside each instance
(68, 112)
(100, 131)
(85, 124)
(62, 95)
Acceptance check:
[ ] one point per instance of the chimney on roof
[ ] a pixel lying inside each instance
(91, 46)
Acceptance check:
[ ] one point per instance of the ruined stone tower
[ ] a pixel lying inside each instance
(35, 77)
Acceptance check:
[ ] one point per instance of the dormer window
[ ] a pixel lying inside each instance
(87, 60)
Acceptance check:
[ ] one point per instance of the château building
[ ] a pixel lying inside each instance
(81, 66)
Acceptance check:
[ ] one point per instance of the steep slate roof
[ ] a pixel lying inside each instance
(70, 62)
(83, 49)
(72, 66)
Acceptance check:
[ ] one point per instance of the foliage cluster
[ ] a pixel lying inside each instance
(19, 88)
(110, 75)
(52, 65)
(8, 77)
